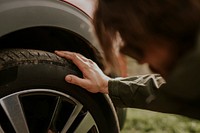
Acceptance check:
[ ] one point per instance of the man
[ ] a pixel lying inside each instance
(162, 33)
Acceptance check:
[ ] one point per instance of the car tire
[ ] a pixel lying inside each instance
(34, 96)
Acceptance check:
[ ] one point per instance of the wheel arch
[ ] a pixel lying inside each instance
(21, 14)
(50, 39)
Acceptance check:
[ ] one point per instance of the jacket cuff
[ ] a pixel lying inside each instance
(113, 88)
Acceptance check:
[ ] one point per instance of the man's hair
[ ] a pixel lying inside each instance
(136, 20)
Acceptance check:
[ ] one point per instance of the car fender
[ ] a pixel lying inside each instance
(20, 14)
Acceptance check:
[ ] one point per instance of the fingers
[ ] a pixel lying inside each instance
(79, 60)
(65, 54)
(70, 55)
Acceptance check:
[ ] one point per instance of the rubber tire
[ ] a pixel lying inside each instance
(22, 69)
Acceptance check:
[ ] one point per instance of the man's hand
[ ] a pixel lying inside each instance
(94, 80)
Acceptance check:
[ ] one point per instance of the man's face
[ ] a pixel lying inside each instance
(158, 53)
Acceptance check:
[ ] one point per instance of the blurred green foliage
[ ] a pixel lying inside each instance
(142, 121)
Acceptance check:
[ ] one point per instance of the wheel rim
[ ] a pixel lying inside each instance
(44, 110)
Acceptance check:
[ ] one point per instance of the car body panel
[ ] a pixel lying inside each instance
(87, 6)
(20, 14)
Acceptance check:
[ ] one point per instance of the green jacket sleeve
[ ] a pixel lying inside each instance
(131, 91)
(152, 93)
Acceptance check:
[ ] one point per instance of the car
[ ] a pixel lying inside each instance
(34, 97)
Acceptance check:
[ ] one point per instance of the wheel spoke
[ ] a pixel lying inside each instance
(86, 124)
(15, 113)
(72, 117)
(1, 130)
(55, 112)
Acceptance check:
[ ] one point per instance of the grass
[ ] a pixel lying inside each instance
(140, 121)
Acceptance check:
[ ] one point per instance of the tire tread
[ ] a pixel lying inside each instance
(14, 57)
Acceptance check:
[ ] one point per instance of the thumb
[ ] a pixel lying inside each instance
(75, 80)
